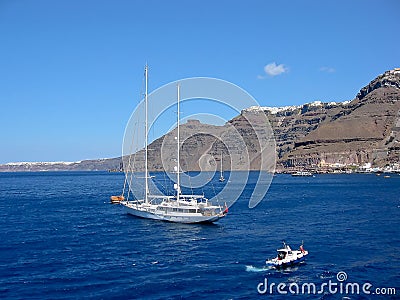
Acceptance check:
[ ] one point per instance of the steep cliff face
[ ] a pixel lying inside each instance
(363, 130)
(357, 134)
(390, 78)
(366, 129)
(239, 142)
(291, 124)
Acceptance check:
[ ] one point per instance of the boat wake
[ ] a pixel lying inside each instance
(256, 269)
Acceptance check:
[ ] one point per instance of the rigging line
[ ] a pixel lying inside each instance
(131, 164)
(190, 177)
(180, 146)
(168, 183)
(134, 158)
(213, 187)
(135, 127)
(123, 189)
(163, 184)
(151, 136)
(128, 167)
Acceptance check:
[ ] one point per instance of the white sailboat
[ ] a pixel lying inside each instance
(221, 172)
(178, 208)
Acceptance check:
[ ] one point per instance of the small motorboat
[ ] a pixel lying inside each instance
(287, 257)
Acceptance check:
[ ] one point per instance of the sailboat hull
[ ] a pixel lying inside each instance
(176, 218)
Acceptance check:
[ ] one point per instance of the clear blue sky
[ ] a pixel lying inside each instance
(71, 71)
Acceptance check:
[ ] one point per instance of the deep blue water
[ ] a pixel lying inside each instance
(61, 239)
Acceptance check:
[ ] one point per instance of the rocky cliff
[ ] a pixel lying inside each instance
(313, 135)
(238, 142)
(387, 79)
(363, 130)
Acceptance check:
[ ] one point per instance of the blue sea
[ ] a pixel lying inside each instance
(61, 239)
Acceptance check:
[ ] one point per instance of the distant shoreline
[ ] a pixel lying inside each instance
(250, 171)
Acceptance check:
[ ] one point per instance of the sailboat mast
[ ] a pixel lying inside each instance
(146, 167)
(220, 171)
(178, 183)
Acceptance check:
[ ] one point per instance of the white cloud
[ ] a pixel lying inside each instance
(272, 69)
(327, 69)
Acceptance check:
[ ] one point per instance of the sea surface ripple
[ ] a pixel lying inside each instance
(61, 239)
